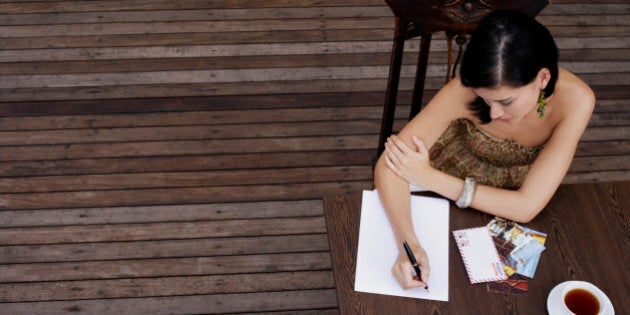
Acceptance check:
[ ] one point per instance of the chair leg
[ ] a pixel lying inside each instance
(449, 57)
(389, 108)
(421, 73)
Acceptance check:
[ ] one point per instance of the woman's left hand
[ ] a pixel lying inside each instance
(406, 162)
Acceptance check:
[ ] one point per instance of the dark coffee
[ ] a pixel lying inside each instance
(581, 302)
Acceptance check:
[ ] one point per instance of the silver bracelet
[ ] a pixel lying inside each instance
(465, 199)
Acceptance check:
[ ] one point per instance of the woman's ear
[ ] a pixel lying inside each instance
(544, 75)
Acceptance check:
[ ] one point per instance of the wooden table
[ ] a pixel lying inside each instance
(588, 233)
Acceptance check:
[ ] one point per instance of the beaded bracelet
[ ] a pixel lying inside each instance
(465, 199)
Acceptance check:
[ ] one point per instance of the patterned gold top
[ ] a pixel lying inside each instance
(464, 150)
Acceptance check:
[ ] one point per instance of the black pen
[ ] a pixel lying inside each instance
(414, 263)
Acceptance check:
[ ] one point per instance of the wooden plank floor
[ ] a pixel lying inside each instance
(200, 211)
(170, 157)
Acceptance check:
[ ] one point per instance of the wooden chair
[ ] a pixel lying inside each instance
(423, 18)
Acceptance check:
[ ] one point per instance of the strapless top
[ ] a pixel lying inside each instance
(464, 150)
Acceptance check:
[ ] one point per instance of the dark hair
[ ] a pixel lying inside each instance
(507, 48)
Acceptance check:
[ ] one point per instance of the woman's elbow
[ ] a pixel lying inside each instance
(528, 213)
(380, 170)
(527, 205)
(524, 219)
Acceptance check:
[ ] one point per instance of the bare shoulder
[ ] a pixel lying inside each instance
(575, 102)
(575, 97)
(450, 103)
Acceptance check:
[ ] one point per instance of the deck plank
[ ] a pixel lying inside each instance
(165, 267)
(170, 156)
(20, 254)
(292, 301)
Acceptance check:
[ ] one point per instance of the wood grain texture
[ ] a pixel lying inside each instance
(170, 156)
(586, 227)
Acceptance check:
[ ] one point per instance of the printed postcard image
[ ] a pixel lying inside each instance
(519, 247)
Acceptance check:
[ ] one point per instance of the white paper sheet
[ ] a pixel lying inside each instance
(414, 188)
(378, 249)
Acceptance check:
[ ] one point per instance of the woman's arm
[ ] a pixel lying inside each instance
(448, 104)
(542, 180)
(575, 105)
(395, 198)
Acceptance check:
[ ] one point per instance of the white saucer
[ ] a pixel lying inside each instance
(554, 300)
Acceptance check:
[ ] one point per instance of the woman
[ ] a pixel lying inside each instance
(499, 138)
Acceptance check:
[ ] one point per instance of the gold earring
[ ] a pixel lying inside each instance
(542, 104)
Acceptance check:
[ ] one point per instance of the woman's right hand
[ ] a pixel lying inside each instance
(403, 270)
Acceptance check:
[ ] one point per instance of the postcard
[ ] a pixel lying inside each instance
(479, 255)
(519, 247)
(515, 284)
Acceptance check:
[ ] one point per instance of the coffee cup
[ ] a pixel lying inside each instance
(583, 298)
